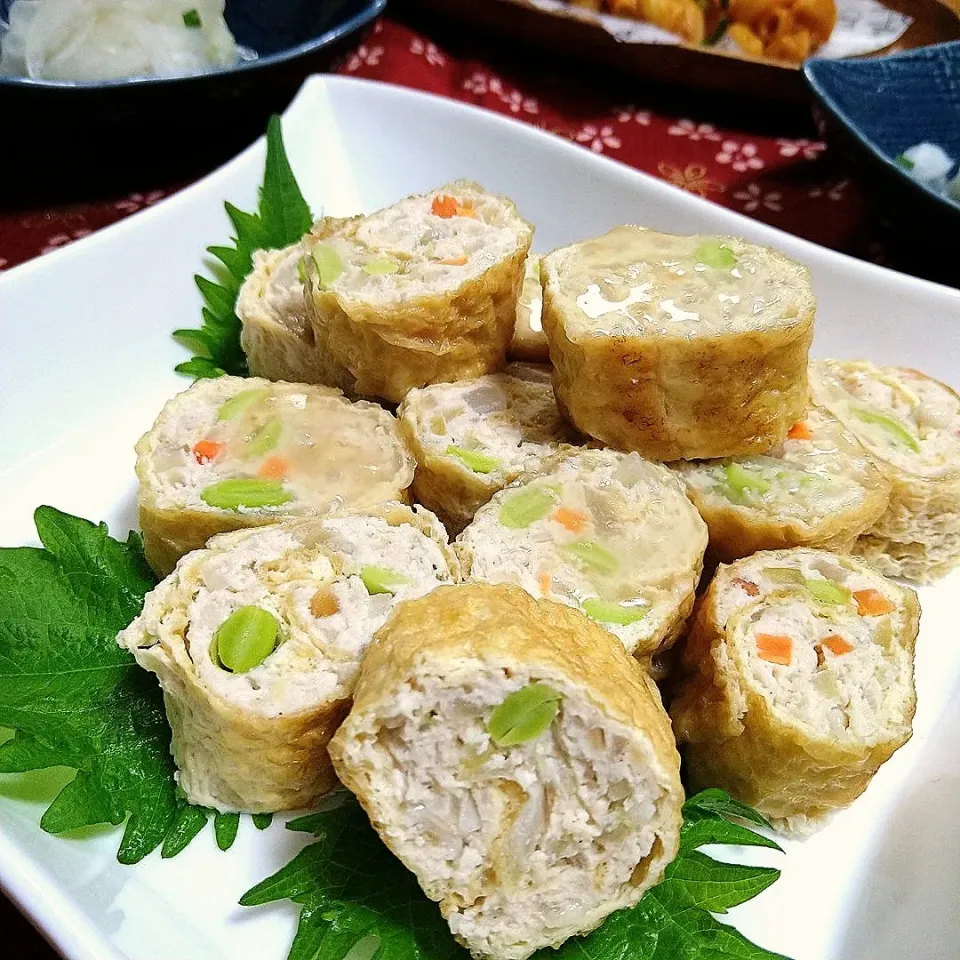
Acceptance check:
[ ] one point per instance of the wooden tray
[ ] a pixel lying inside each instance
(577, 41)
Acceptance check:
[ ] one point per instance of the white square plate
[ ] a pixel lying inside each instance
(86, 362)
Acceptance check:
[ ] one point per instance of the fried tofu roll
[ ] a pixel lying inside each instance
(678, 347)
(797, 682)
(517, 761)
(235, 452)
(529, 341)
(819, 488)
(603, 531)
(257, 641)
(910, 424)
(473, 437)
(422, 292)
(275, 333)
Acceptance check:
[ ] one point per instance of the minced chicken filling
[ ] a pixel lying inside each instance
(606, 532)
(818, 471)
(900, 415)
(329, 591)
(527, 837)
(512, 420)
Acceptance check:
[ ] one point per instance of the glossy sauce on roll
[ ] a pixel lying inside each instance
(238, 452)
(678, 347)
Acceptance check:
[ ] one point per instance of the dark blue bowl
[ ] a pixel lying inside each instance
(64, 140)
(874, 109)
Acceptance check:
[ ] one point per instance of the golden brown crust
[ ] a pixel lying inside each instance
(451, 492)
(528, 343)
(502, 623)
(668, 400)
(735, 740)
(387, 352)
(280, 346)
(734, 535)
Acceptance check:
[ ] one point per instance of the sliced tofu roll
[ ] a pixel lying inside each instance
(529, 341)
(275, 334)
(607, 532)
(797, 682)
(910, 424)
(678, 347)
(241, 452)
(257, 641)
(473, 437)
(514, 757)
(422, 292)
(818, 488)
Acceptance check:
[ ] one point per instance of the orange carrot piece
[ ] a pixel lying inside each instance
(872, 603)
(545, 581)
(444, 207)
(274, 468)
(206, 450)
(572, 520)
(466, 210)
(752, 590)
(774, 648)
(799, 431)
(455, 261)
(836, 644)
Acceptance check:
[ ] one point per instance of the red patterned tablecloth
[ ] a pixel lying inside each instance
(792, 183)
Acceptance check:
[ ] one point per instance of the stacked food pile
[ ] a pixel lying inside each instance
(494, 702)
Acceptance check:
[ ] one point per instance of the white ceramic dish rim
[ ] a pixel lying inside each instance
(65, 925)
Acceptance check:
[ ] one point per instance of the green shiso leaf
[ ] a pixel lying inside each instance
(350, 889)
(283, 218)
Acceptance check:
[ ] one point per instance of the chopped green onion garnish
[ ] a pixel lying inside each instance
(901, 160)
(478, 462)
(894, 427)
(191, 18)
(592, 555)
(716, 35)
(605, 611)
(526, 506)
(302, 270)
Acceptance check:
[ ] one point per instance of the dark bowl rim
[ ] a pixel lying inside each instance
(827, 100)
(369, 12)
